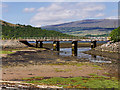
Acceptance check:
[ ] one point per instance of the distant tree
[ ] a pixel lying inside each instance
(18, 24)
(28, 26)
(115, 35)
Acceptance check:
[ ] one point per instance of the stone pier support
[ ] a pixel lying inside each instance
(74, 48)
(93, 44)
(41, 44)
(36, 44)
(56, 45)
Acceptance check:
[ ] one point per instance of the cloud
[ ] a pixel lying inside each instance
(53, 7)
(29, 9)
(65, 12)
(100, 15)
(112, 17)
(61, 1)
(94, 8)
(102, 0)
(3, 5)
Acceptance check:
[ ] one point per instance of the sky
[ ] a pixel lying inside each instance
(50, 13)
(60, 0)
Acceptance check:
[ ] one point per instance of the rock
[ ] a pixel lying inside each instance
(110, 46)
(31, 74)
(15, 85)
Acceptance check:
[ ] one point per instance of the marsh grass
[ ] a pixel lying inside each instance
(79, 82)
(73, 64)
(99, 68)
(107, 73)
(33, 78)
(92, 74)
(11, 51)
(6, 52)
(62, 70)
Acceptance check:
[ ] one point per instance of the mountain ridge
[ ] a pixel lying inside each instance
(85, 27)
(82, 23)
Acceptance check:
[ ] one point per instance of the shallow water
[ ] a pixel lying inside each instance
(64, 52)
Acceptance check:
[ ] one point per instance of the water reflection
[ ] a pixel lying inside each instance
(82, 56)
(94, 56)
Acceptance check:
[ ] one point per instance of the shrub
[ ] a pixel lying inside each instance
(115, 35)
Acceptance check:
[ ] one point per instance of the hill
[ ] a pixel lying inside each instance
(7, 23)
(86, 27)
(16, 31)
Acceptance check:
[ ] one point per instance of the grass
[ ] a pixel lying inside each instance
(33, 78)
(77, 82)
(74, 64)
(107, 73)
(6, 52)
(96, 66)
(62, 70)
(92, 74)
(77, 64)
(80, 64)
(11, 51)
(99, 68)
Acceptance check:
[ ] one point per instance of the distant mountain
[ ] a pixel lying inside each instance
(107, 23)
(86, 27)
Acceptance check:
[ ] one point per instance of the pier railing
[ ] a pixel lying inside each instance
(60, 38)
(47, 38)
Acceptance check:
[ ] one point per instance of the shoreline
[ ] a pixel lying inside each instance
(113, 55)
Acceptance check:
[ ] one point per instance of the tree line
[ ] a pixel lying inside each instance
(20, 31)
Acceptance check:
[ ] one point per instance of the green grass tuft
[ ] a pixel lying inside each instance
(62, 70)
(33, 78)
(6, 52)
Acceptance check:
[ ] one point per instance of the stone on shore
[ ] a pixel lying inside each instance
(109, 47)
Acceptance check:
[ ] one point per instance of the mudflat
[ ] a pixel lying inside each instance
(33, 62)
